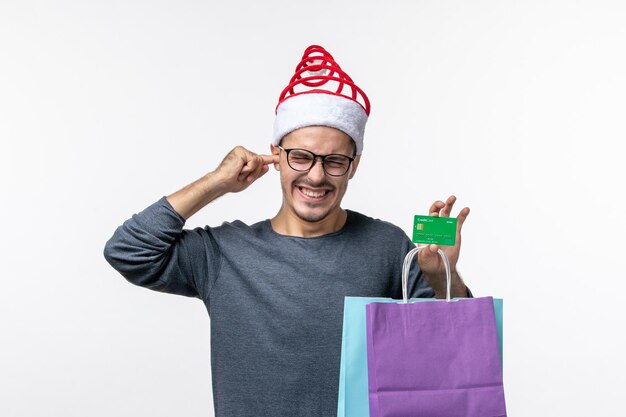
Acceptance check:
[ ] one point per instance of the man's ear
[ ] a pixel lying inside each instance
(275, 151)
(354, 166)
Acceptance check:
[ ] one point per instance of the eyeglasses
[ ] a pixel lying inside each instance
(301, 160)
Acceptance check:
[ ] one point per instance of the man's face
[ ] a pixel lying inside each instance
(314, 196)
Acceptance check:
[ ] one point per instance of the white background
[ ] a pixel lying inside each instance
(516, 107)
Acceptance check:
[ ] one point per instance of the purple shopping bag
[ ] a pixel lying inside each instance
(437, 359)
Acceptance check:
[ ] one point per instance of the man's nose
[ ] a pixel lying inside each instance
(316, 173)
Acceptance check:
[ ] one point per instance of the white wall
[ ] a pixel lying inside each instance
(517, 107)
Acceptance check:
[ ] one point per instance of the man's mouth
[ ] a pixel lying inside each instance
(315, 194)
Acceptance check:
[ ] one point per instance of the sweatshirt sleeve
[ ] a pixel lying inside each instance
(152, 250)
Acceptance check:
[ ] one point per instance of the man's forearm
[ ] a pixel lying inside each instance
(196, 195)
(236, 172)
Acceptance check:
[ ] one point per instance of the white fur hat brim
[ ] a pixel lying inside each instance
(320, 109)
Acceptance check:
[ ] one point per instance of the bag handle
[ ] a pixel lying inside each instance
(408, 259)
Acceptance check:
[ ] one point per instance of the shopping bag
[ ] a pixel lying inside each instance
(353, 396)
(434, 359)
(353, 388)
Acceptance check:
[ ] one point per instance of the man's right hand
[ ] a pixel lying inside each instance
(240, 168)
(236, 172)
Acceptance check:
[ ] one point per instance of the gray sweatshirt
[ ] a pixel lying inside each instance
(275, 302)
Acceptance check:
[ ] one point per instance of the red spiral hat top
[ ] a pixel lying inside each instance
(318, 72)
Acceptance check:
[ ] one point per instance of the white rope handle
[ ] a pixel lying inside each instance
(408, 259)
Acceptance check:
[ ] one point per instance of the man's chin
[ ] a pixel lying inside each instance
(313, 216)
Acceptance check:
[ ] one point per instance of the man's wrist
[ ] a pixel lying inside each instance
(458, 288)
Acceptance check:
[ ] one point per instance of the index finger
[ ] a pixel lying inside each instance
(269, 159)
(435, 207)
(448, 207)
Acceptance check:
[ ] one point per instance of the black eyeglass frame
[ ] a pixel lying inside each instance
(314, 160)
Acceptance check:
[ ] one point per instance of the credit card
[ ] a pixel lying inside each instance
(437, 230)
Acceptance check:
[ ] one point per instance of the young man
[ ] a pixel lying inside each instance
(274, 290)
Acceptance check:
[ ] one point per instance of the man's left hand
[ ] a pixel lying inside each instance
(429, 260)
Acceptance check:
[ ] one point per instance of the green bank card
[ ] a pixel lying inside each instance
(437, 230)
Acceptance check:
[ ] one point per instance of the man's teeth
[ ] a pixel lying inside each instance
(313, 194)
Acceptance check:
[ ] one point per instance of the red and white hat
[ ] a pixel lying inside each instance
(320, 93)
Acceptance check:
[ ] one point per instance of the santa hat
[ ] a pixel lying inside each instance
(320, 93)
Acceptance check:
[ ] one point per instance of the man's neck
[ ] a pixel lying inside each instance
(289, 224)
